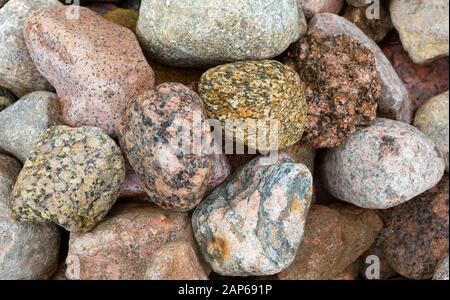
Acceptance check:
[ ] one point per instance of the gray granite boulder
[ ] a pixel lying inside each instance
(382, 166)
(27, 251)
(253, 223)
(72, 178)
(23, 122)
(432, 119)
(17, 71)
(212, 32)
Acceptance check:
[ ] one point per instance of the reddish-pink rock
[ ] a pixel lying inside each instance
(312, 7)
(422, 81)
(220, 170)
(95, 65)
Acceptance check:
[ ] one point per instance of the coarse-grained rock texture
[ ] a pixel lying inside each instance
(442, 270)
(302, 153)
(23, 122)
(394, 102)
(416, 236)
(205, 33)
(266, 96)
(220, 170)
(253, 223)
(334, 238)
(125, 17)
(175, 261)
(382, 166)
(313, 7)
(342, 87)
(432, 119)
(157, 133)
(17, 71)
(423, 27)
(374, 26)
(72, 178)
(122, 244)
(422, 81)
(27, 251)
(95, 65)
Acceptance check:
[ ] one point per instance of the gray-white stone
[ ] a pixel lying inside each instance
(359, 3)
(442, 270)
(382, 166)
(27, 251)
(432, 119)
(17, 71)
(253, 223)
(212, 32)
(423, 27)
(23, 122)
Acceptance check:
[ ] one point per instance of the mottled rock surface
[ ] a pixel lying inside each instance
(382, 166)
(313, 7)
(27, 251)
(195, 33)
(72, 178)
(220, 170)
(394, 102)
(125, 17)
(342, 86)
(256, 92)
(334, 238)
(442, 270)
(17, 71)
(174, 177)
(23, 122)
(260, 210)
(302, 153)
(416, 236)
(95, 65)
(374, 26)
(432, 119)
(423, 27)
(121, 245)
(422, 81)
(175, 261)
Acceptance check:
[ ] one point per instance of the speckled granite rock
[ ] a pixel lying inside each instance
(175, 261)
(72, 178)
(334, 238)
(382, 166)
(423, 27)
(220, 170)
(95, 65)
(359, 3)
(27, 251)
(195, 33)
(121, 245)
(302, 153)
(173, 177)
(259, 210)
(125, 17)
(23, 122)
(256, 90)
(442, 270)
(342, 86)
(6, 98)
(422, 81)
(17, 71)
(394, 102)
(374, 27)
(416, 237)
(313, 7)
(432, 119)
